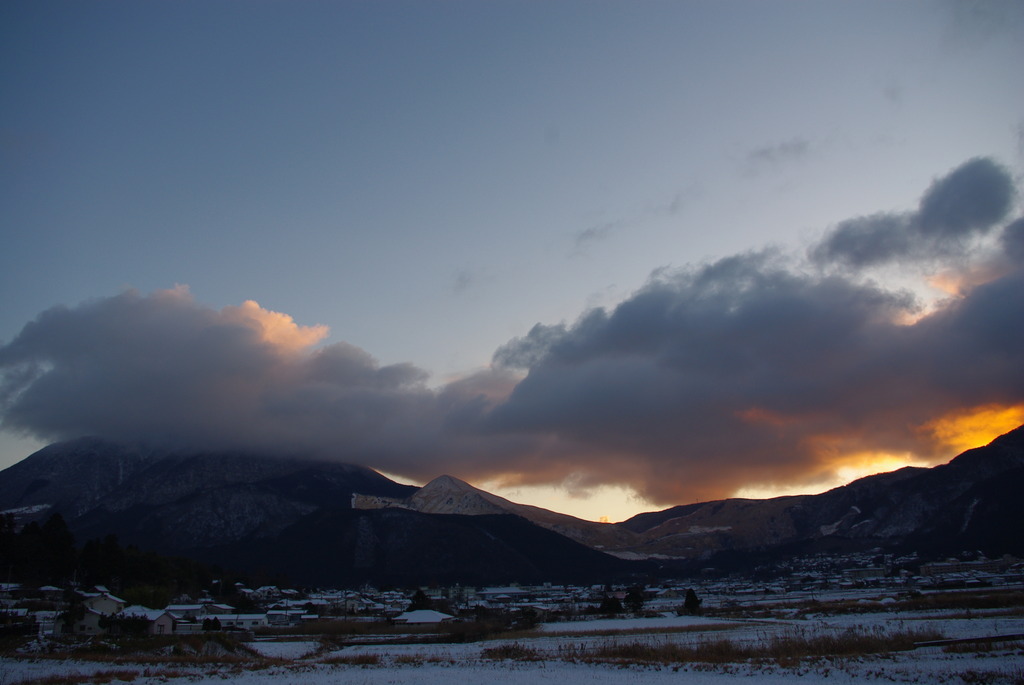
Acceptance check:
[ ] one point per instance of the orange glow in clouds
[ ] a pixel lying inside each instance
(966, 428)
(277, 329)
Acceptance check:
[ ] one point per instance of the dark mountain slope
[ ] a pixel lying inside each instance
(403, 547)
(988, 517)
(171, 501)
(284, 515)
(295, 516)
(958, 501)
(70, 477)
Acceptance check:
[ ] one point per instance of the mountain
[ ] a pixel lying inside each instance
(288, 515)
(396, 546)
(179, 500)
(324, 522)
(449, 495)
(945, 509)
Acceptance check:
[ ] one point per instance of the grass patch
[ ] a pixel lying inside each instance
(613, 632)
(972, 677)
(212, 648)
(1005, 602)
(512, 651)
(99, 678)
(419, 659)
(784, 649)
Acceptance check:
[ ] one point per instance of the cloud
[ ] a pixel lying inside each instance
(743, 372)
(584, 239)
(164, 367)
(464, 280)
(591, 236)
(969, 202)
(788, 150)
(753, 370)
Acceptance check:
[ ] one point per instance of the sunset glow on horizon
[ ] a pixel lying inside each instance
(600, 257)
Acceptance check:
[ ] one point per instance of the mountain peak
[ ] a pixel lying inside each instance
(449, 495)
(448, 483)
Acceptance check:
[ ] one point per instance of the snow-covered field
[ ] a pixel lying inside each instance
(549, 657)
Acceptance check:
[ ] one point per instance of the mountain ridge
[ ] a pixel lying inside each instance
(229, 505)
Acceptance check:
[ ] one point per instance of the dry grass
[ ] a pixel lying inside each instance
(212, 649)
(1003, 602)
(990, 677)
(613, 632)
(99, 678)
(419, 659)
(784, 650)
(512, 651)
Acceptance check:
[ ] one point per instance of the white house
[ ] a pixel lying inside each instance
(160, 622)
(239, 621)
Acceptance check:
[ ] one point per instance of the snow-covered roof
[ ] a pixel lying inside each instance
(139, 611)
(422, 616)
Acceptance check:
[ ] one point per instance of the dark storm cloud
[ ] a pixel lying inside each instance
(1013, 241)
(743, 372)
(750, 370)
(165, 367)
(969, 201)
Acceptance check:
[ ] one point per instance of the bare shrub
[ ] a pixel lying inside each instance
(512, 651)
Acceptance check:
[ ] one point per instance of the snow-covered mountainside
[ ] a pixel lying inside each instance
(449, 495)
(290, 516)
(178, 499)
(190, 502)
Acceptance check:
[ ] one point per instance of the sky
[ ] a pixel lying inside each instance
(604, 257)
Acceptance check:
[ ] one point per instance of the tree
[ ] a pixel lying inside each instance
(610, 604)
(419, 601)
(691, 603)
(635, 599)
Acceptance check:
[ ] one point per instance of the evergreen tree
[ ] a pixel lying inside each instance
(610, 605)
(635, 599)
(419, 601)
(691, 603)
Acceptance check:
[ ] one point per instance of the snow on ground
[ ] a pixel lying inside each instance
(933, 667)
(434, 664)
(952, 625)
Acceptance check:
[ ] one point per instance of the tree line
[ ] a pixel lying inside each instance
(46, 554)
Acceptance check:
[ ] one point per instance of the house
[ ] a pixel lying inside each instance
(189, 611)
(103, 602)
(50, 593)
(95, 608)
(10, 590)
(88, 624)
(240, 621)
(158, 621)
(422, 616)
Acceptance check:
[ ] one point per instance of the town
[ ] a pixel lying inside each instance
(48, 610)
